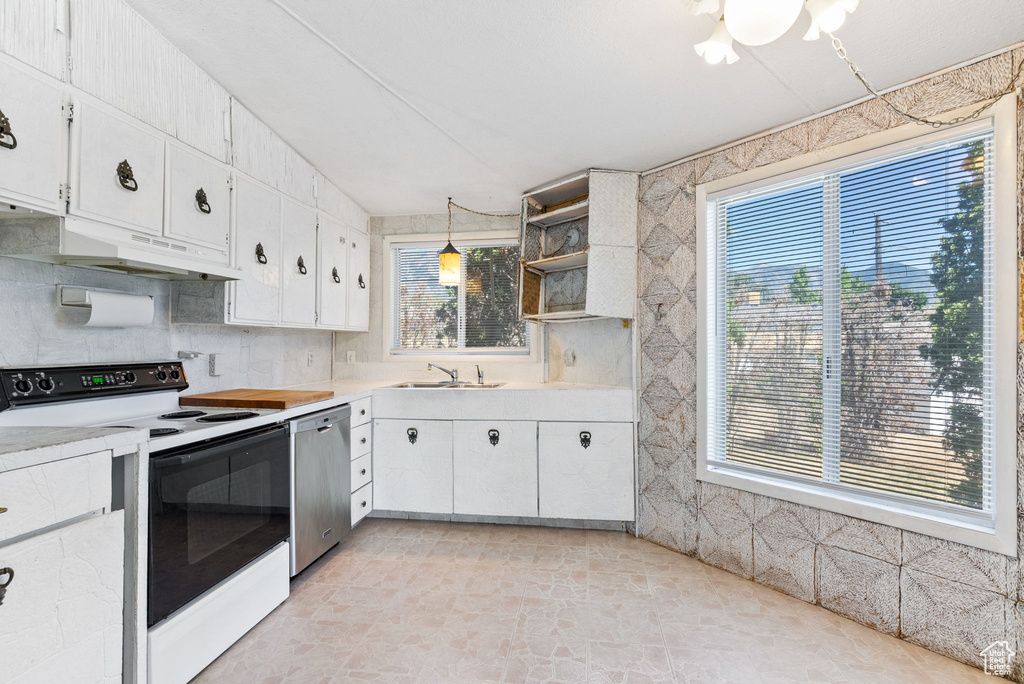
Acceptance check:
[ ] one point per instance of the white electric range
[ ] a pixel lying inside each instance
(219, 499)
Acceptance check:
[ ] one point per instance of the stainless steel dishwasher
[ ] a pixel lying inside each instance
(321, 484)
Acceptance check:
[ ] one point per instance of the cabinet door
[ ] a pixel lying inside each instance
(117, 171)
(333, 268)
(592, 482)
(256, 296)
(495, 468)
(358, 281)
(298, 268)
(412, 465)
(33, 156)
(62, 614)
(198, 199)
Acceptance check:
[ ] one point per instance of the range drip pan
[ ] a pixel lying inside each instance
(226, 417)
(177, 415)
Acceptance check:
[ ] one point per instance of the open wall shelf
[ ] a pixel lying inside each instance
(578, 248)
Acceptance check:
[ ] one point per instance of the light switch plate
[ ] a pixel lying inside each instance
(350, 357)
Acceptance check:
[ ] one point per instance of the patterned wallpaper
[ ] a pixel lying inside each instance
(944, 596)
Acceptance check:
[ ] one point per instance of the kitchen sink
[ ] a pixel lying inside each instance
(447, 385)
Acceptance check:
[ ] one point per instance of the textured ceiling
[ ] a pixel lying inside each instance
(402, 104)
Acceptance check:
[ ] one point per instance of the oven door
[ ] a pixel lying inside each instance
(213, 508)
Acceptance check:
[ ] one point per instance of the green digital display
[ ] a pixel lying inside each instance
(98, 380)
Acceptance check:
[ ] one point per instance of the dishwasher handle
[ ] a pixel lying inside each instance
(323, 420)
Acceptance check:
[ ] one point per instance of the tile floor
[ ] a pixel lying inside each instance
(413, 601)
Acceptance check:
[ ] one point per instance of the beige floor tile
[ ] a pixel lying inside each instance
(619, 540)
(548, 536)
(534, 659)
(492, 612)
(617, 586)
(560, 558)
(552, 617)
(470, 532)
(612, 663)
(510, 555)
(557, 584)
(469, 656)
(631, 622)
(701, 666)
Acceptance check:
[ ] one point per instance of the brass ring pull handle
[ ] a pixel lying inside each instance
(585, 439)
(260, 254)
(5, 132)
(413, 434)
(3, 585)
(334, 274)
(302, 265)
(2, 509)
(362, 285)
(204, 206)
(493, 435)
(126, 177)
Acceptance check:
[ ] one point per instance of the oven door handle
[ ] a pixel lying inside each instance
(223, 448)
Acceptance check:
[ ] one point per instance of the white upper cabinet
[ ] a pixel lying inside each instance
(256, 296)
(198, 199)
(333, 269)
(298, 267)
(358, 281)
(117, 171)
(33, 140)
(495, 468)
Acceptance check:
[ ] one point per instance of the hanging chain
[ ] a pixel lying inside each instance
(991, 101)
(478, 213)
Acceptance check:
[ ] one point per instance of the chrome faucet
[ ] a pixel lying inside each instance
(453, 373)
(479, 375)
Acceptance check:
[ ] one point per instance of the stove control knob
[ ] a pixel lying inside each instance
(129, 377)
(45, 384)
(175, 374)
(22, 386)
(161, 375)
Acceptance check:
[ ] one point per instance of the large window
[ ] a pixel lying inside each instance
(477, 316)
(850, 330)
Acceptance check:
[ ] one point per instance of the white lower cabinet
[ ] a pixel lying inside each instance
(495, 468)
(61, 618)
(412, 465)
(586, 470)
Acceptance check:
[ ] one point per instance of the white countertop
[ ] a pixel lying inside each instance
(21, 447)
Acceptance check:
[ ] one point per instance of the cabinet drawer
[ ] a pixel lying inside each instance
(362, 440)
(63, 611)
(51, 493)
(102, 144)
(362, 503)
(362, 471)
(361, 411)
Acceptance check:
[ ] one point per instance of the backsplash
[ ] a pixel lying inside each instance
(602, 349)
(40, 332)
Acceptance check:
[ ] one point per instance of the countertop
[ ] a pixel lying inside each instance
(21, 447)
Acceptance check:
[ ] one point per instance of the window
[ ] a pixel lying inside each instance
(850, 335)
(478, 316)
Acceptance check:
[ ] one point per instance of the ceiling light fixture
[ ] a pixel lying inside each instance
(450, 261)
(449, 258)
(759, 22)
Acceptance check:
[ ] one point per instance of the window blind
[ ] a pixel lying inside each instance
(479, 315)
(852, 335)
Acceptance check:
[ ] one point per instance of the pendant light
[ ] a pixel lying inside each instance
(450, 261)
(758, 22)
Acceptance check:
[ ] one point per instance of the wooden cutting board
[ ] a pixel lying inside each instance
(255, 398)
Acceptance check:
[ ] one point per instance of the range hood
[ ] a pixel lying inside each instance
(70, 241)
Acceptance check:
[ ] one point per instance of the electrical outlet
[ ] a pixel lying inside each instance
(309, 358)
(350, 357)
(569, 358)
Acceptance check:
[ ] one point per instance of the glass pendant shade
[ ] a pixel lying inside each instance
(758, 22)
(718, 46)
(828, 15)
(450, 266)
